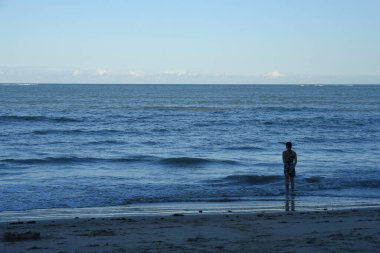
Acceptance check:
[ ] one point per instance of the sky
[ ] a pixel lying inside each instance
(193, 41)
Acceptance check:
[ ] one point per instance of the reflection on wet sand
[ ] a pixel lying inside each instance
(290, 202)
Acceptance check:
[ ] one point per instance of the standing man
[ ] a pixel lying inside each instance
(289, 158)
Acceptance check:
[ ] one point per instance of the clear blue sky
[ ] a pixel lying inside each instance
(194, 41)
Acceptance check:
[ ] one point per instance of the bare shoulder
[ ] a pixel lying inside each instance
(294, 152)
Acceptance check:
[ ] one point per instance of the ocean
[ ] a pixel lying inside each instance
(93, 145)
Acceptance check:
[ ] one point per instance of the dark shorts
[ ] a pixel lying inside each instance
(289, 172)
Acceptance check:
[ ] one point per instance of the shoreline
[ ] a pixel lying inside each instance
(290, 203)
(306, 231)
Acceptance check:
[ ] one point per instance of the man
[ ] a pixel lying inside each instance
(289, 158)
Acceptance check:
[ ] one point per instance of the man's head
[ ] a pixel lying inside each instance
(288, 145)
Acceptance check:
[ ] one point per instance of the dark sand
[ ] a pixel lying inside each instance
(318, 231)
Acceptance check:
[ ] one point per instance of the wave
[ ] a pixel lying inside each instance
(333, 150)
(187, 161)
(313, 179)
(152, 143)
(224, 200)
(265, 164)
(322, 183)
(57, 131)
(177, 199)
(105, 142)
(185, 108)
(179, 161)
(249, 148)
(47, 160)
(252, 179)
(74, 159)
(319, 121)
(184, 161)
(30, 118)
(307, 184)
(289, 109)
(363, 183)
(75, 131)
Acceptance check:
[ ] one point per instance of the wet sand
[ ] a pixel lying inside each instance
(355, 230)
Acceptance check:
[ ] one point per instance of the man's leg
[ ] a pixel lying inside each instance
(287, 183)
(292, 183)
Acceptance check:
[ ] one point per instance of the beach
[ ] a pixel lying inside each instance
(189, 126)
(346, 230)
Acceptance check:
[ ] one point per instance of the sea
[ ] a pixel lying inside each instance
(73, 146)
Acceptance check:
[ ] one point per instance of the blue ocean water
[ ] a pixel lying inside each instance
(108, 145)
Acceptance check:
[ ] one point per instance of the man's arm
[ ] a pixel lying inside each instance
(283, 157)
(295, 159)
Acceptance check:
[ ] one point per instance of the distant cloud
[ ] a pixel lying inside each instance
(76, 72)
(135, 73)
(274, 75)
(174, 72)
(101, 72)
(82, 74)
